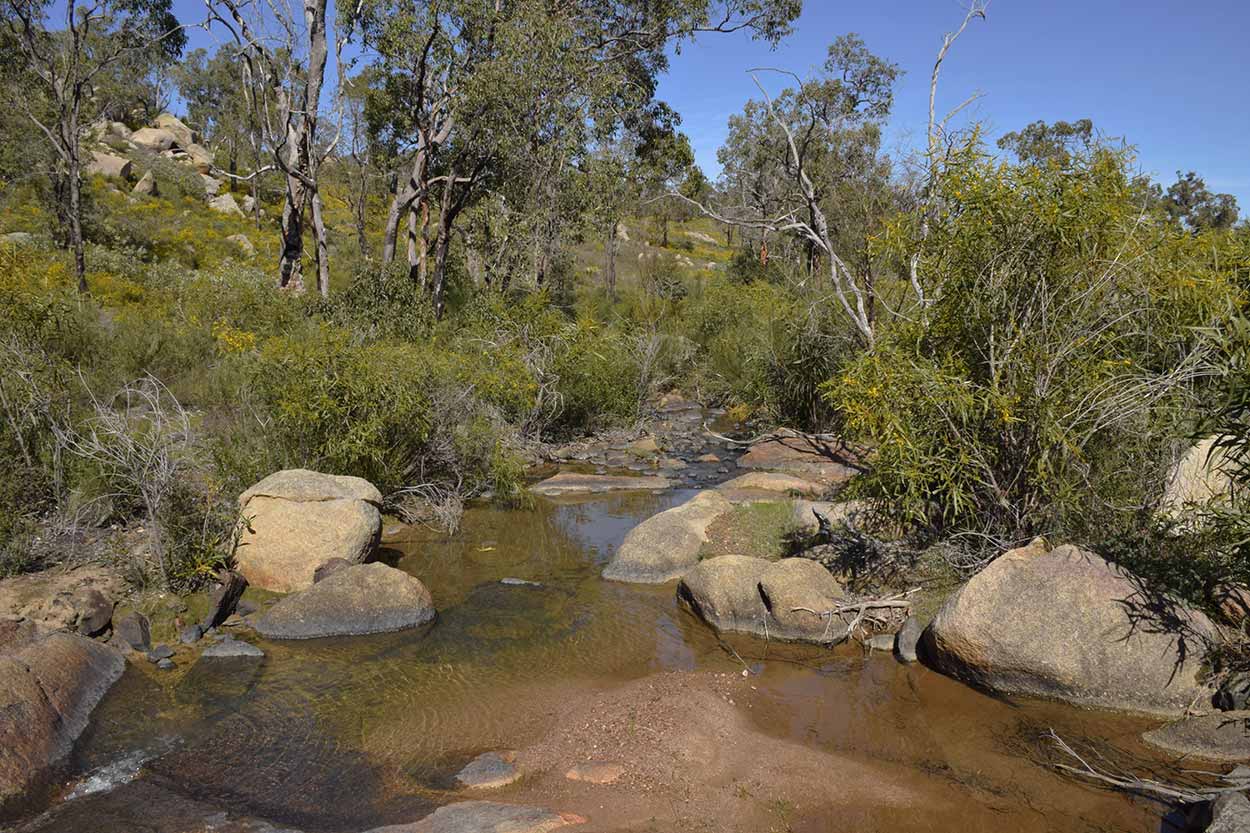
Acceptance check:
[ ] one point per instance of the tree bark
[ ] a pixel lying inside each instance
(323, 252)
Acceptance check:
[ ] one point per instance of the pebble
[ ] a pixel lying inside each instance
(160, 652)
(190, 635)
(166, 664)
(596, 772)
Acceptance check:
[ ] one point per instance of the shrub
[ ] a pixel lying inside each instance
(1045, 382)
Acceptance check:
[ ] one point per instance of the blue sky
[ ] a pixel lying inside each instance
(1171, 77)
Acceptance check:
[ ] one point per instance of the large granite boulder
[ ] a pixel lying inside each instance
(295, 520)
(772, 482)
(49, 684)
(1065, 624)
(794, 599)
(663, 547)
(153, 138)
(486, 817)
(106, 164)
(353, 601)
(184, 137)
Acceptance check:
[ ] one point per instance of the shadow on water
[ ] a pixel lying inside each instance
(350, 733)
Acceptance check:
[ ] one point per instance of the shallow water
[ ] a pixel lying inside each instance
(347, 734)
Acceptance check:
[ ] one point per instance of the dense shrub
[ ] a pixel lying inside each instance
(1061, 357)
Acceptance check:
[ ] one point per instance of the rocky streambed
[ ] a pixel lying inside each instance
(594, 664)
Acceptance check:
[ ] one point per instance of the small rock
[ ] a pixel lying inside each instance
(908, 638)
(519, 582)
(245, 608)
(166, 664)
(95, 612)
(881, 642)
(489, 771)
(160, 652)
(191, 634)
(248, 204)
(707, 458)
(232, 648)
(225, 204)
(211, 187)
(134, 631)
(596, 772)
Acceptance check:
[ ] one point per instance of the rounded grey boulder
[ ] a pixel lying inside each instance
(352, 601)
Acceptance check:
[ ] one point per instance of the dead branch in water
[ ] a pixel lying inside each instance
(1133, 783)
(773, 435)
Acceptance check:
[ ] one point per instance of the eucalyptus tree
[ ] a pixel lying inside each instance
(69, 74)
(482, 90)
(812, 156)
(283, 54)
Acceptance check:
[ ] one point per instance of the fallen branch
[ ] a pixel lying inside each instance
(897, 601)
(1133, 783)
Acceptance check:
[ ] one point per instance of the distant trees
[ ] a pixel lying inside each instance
(63, 79)
(1039, 142)
(808, 164)
(503, 101)
(1190, 203)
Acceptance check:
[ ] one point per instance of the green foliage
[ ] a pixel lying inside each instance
(1044, 383)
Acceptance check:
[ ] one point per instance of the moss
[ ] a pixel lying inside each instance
(756, 529)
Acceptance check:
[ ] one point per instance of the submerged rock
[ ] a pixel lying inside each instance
(570, 483)
(489, 771)
(792, 599)
(295, 520)
(486, 817)
(1222, 736)
(1067, 625)
(663, 547)
(356, 600)
(49, 684)
(232, 648)
(596, 772)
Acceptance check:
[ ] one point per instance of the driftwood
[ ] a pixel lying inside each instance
(861, 610)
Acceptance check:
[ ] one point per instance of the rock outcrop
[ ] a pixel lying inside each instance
(295, 520)
(146, 186)
(1065, 624)
(663, 547)
(354, 601)
(772, 482)
(792, 599)
(49, 684)
(184, 137)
